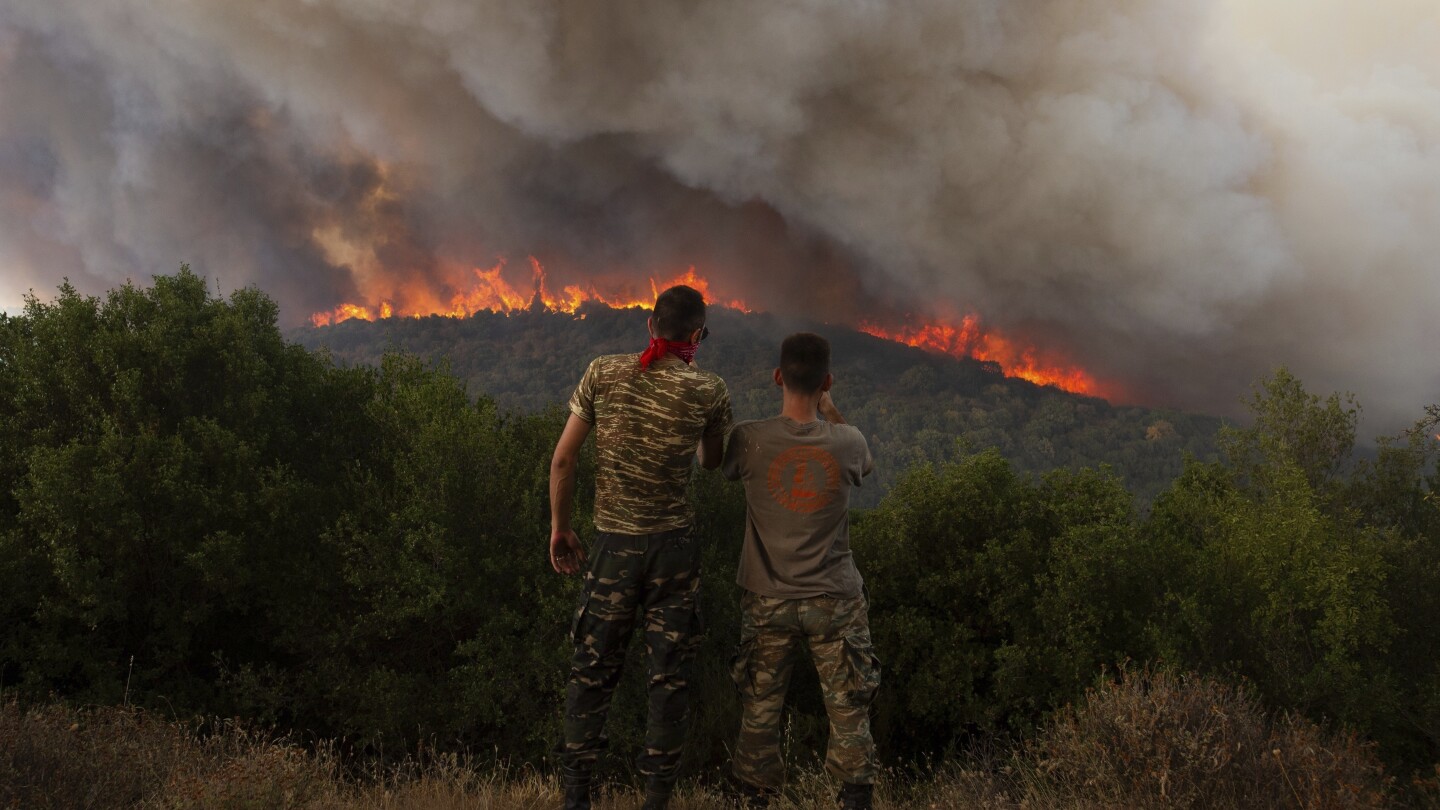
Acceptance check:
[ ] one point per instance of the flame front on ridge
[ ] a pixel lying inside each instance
(970, 340)
(490, 292)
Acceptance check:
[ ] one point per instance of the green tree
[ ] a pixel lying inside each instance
(1294, 428)
(995, 597)
(1303, 580)
(148, 434)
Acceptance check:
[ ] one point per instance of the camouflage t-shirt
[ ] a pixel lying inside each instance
(647, 424)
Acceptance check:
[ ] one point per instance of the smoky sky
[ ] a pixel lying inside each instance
(1180, 195)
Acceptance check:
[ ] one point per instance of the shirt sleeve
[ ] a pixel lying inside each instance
(867, 462)
(582, 402)
(721, 420)
(734, 464)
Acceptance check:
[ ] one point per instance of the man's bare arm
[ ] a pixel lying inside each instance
(711, 451)
(566, 553)
(829, 411)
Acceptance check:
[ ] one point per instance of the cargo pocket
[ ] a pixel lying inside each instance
(681, 632)
(741, 672)
(598, 551)
(862, 677)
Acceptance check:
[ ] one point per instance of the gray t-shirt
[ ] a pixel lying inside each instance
(797, 500)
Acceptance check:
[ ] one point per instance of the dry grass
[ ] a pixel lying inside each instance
(58, 757)
(1150, 740)
(1154, 739)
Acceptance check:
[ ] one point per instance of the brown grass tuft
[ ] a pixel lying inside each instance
(56, 756)
(1157, 739)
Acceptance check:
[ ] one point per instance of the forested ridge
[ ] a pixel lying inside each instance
(203, 517)
(914, 406)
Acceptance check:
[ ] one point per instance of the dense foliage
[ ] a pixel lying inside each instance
(201, 517)
(197, 512)
(916, 406)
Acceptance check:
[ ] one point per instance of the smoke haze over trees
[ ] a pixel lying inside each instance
(1180, 195)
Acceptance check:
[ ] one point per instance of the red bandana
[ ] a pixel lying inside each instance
(659, 347)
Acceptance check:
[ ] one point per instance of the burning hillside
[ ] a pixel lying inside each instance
(490, 291)
(1158, 201)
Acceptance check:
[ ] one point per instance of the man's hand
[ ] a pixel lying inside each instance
(566, 553)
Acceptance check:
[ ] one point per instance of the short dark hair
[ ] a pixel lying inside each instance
(679, 311)
(804, 362)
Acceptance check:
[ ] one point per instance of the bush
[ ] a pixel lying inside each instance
(209, 519)
(996, 597)
(1153, 738)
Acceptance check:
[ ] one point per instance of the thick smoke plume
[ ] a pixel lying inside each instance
(1180, 194)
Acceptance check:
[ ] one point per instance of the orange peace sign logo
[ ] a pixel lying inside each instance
(804, 479)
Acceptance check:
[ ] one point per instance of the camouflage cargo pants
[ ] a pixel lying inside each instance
(838, 634)
(657, 575)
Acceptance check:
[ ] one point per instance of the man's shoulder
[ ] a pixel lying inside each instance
(704, 377)
(612, 367)
(749, 424)
(849, 434)
(615, 361)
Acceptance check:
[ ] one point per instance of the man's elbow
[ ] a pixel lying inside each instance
(562, 463)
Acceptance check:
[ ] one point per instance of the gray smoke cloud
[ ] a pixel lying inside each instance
(1180, 195)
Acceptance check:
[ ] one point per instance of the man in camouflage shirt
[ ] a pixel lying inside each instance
(652, 414)
(800, 580)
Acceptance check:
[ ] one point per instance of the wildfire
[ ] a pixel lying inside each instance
(969, 339)
(491, 292)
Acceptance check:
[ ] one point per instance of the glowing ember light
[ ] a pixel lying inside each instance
(970, 340)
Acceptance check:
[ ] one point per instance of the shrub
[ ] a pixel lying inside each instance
(996, 597)
(1153, 738)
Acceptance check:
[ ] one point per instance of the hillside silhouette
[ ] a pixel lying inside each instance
(915, 406)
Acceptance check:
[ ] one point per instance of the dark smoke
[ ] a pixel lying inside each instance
(1182, 195)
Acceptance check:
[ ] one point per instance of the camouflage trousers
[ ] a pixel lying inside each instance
(658, 576)
(837, 632)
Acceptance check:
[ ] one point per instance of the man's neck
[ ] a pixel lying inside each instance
(801, 408)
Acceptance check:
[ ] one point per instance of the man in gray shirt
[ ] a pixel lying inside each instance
(800, 580)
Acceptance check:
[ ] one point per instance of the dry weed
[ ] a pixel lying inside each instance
(1158, 739)
(1152, 739)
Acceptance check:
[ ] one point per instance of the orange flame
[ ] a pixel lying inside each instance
(489, 291)
(1015, 359)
